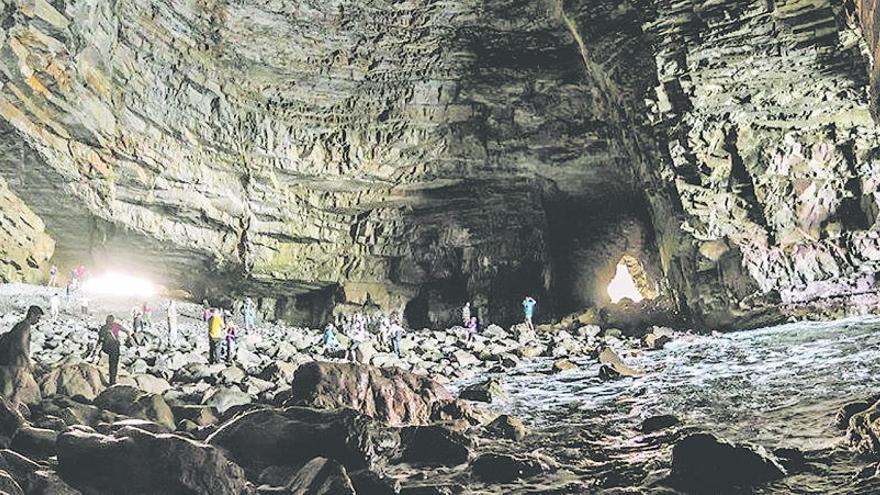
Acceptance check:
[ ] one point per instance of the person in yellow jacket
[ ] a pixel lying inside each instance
(215, 335)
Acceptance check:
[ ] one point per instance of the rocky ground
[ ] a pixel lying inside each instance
(287, 419)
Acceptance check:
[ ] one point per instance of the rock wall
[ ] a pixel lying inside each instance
(416, 155)
(24, 245)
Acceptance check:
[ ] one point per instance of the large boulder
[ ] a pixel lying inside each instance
(10, 420)
(8, 485)
(613, 364)
(702, 463)
(507, 427)
(292, 436)
(504, 468)
(35, 443)
(434, 444)
(390, 395)
(490, 391)
(17, 384)
(320, 476)
(224, 398)
(138, 462)
(73, 379)
(864, 430)
(133, 402)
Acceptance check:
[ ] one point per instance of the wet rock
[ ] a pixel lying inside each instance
(321, 476)
(390, 395)
(612, 362)
(368, 482)
(446, 489)
(657, 423)
(135, 461)
(34, 443)
(8, 485)
(654, 341)
(488, 391)
(504, 468)
(864, 431)
(81, 379)
(294, 435)
(702, 462)
(508, 427)
(434, 444)
(563, 365)
(10, 420)
(847, 411)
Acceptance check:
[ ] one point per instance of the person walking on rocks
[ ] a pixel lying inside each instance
(472, 329)
(171, 314)
(146, 315)
(15, 345)
(529, 311)
(54, 306)
(108, 342)
(358, 336)
(215, 335)
(249, 312)
(137, 321)
(53, 276)
(466, 314)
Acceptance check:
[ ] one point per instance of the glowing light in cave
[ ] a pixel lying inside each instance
(623, 286)
(119, 284)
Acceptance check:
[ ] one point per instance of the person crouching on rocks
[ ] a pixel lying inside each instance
(215, 335)
(108, 342)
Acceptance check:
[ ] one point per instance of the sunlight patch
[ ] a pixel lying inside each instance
(623, 285)
(118, 284)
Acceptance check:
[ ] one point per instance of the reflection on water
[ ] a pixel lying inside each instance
(777, 387)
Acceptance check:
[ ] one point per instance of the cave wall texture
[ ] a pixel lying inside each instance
(417, 154)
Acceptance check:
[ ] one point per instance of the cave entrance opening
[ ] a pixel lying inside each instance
(629, 282)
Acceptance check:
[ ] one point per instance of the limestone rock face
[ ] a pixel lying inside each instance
(24, 245)
(416, 155)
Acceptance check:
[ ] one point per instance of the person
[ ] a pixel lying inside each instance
(146, 315)
(108, 342)
(396, 332)
(15, 345)
(84, 305)
(172, 322)
(529, 311)
(137, 324)
(215, 334)
(358, 336)
(53, 275)
(329, 340)
(473, 327)
(231, 348)
(249, 312)
(54, 306)
(207, 312)
(466, 313)
(385, 332)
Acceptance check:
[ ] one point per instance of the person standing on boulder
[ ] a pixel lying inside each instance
(108, 342)
(171, 314)
(15, 345)
(529, 310)
(466, 314)
(249, 312)
(215, 335)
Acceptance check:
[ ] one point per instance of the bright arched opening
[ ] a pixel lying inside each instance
(623, 286)
(118, 284)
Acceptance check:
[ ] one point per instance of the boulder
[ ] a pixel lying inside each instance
(151, 384)
(81, 378)
(223, 399)
(130, 401)
(508, 427)
(200, 415)
(487, 391)
(390, 395)
(465, 358)
(654, 342)
(34, 443)
(611, 360)
(321, 476)
(368, 482)
(657, 423)
(10, 419)
(503, 468)
(278, 372)
(139, 462)
(847, 411)
(232, 375)
(864, 431)
(703, 463)
(294, 435)
(563, 365)
(8, 485)
(434, 444)
(17, 384)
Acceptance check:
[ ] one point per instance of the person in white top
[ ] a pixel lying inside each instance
(172, 322)
(54, 306)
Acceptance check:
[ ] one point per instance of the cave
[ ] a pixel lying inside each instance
(590, 204)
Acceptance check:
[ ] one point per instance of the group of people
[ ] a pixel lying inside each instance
(360, 328)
